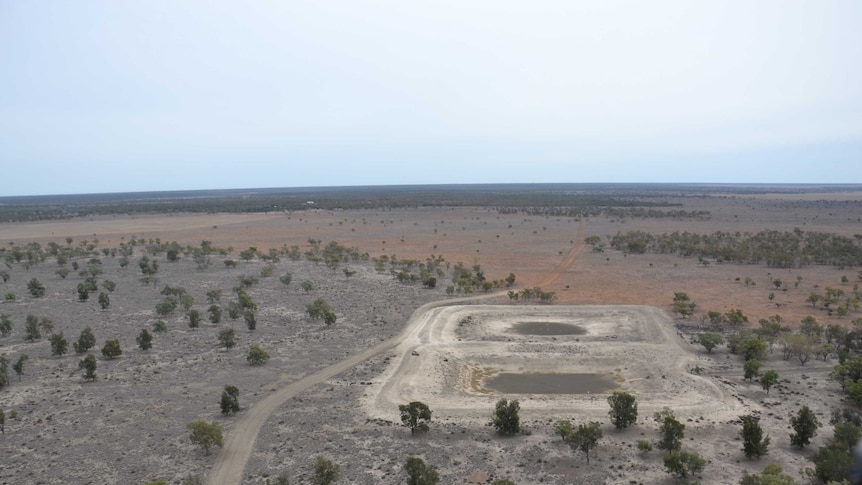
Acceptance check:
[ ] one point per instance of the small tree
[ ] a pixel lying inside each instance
(751, 368)
(18, 366)
(564, 429)
(672, 431)
(256, 355)
(754, 445)
(805, 425)
(419, 473)
(31, 329)
(226, 338)
(104, 300)
(710, 340)
(205, 434)
(36, 288)
(112, 349)
(194, 317)
(586, 437)
(753, 348)
(86, 341)
(768, 379)
(213, 295)
(506, 419)
(286, 279)
(4, 371)
(229, 400)
(306, 286)
(187, 300)
(321, 309)
(624, 409)
(88, 363)
(250, 319)
(59, 345)
(5, 324)
(416, 416)
(145, 340)
(214, 313)
(83, 291)
(684, 463)
(2, 421)
(325, 472)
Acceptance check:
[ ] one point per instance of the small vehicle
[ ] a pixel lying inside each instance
(414, 353)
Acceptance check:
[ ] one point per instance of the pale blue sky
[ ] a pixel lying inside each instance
(115, 96)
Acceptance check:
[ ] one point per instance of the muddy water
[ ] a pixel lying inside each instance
(547, 328)
(540, 383)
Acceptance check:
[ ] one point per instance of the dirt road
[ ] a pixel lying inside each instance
(231, 460)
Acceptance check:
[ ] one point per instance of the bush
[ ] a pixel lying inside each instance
(256, 355)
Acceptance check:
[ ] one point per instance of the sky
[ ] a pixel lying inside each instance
(105, 96)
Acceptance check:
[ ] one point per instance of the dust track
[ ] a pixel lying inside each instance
(233, 457)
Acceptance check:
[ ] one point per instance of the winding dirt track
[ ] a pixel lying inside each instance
(231, 460)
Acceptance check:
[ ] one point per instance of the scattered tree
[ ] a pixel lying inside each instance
(59, 345)
(416, 416)
(250, 319)
(18, 366)
(88, 363)
(226, 338)
(768, 379)
(194, 317)
(564, 429)
(213, 296)
(145, 340)
(805, 425)
(286, 279)
(31, 329)
(5, 324)
(751, 368)
(112, 349)
(506, 419)
(684, 463)
(586, 437)
(104, 300)
(214, 313)
(36, 288)
(4, 371)
(85, 342)
(419, 473)
(754, 445)
(256, 355)
(321, 309)
(672, 431)
(753, 348)
(230, 400)
(710, 340)
(624, 409)
(306, 286)
(205, 434)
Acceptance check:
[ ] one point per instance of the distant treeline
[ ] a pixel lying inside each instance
(570, 200)
(586, 198)
(612, 212)
(780, 249)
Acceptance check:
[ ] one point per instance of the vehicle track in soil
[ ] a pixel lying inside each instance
(231, 461)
